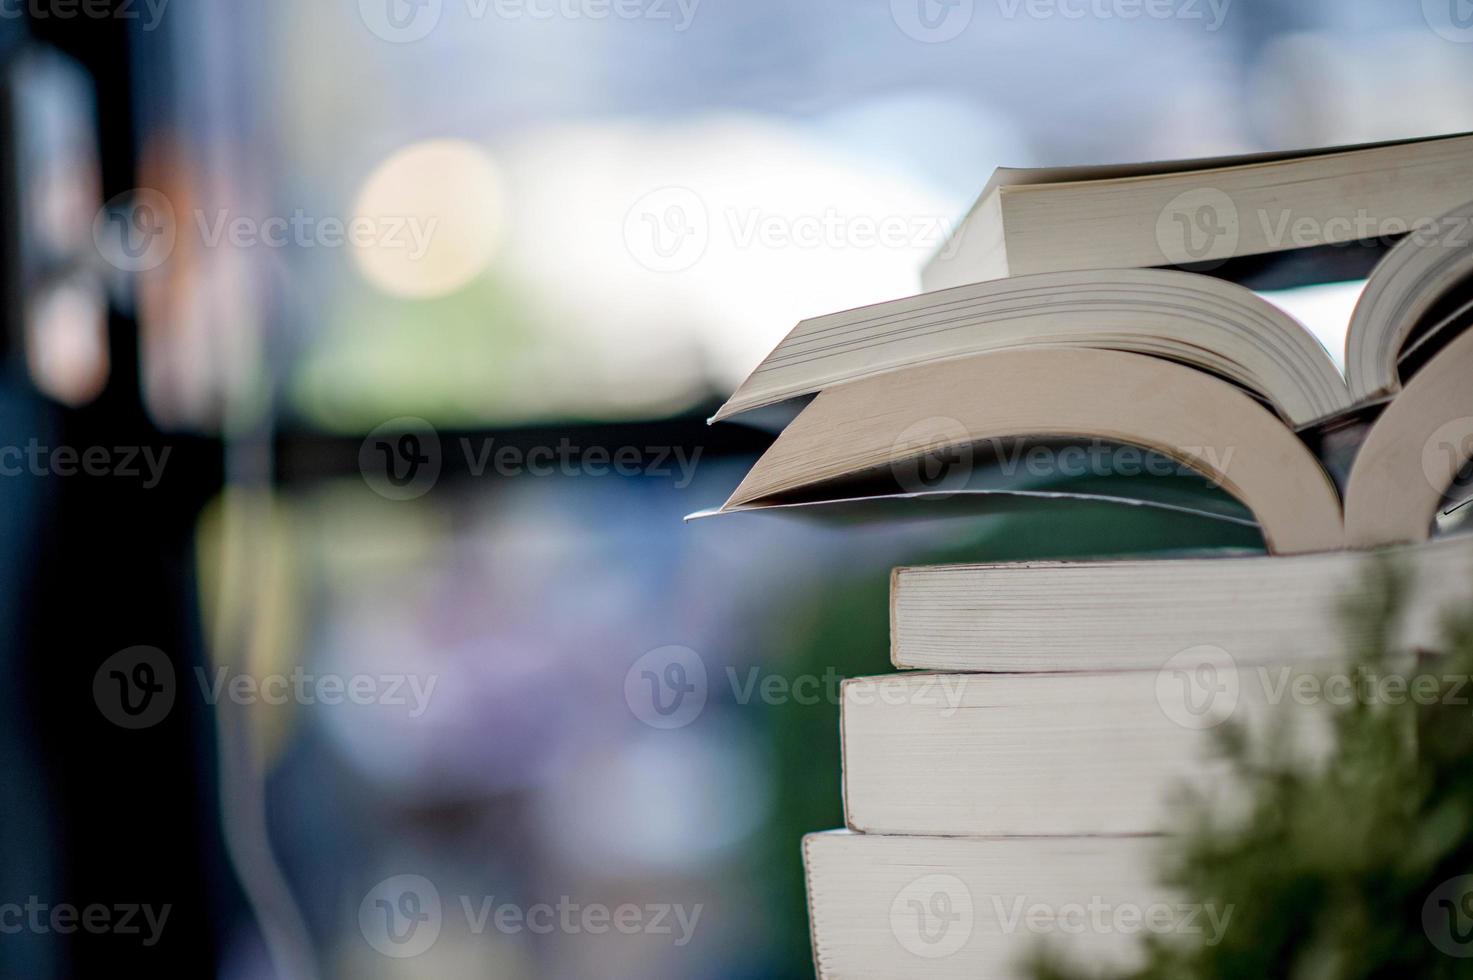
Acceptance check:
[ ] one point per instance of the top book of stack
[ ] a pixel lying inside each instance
(1190, 212)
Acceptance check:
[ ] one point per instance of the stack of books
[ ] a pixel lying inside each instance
(1010, 788)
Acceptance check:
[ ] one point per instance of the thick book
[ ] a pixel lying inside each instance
(1194, 211)
(1138, 615)
(1033, 755)
(885, 907)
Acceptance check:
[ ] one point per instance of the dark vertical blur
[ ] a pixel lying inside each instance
(93, 813)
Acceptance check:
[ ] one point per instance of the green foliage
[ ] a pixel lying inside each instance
(1332, 875)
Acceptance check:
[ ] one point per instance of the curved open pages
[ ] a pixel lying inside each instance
(1404, 287)
(1413, 453)
(1121, 398)
(935, 505)
(1210, 324)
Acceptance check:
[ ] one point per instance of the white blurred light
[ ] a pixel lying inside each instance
(66, 340)
(674, 255)
(431, 219)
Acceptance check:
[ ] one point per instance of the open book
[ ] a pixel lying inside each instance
(1201, 211)
(1194, 368)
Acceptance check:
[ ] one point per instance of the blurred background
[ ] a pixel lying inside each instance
(355, 367)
